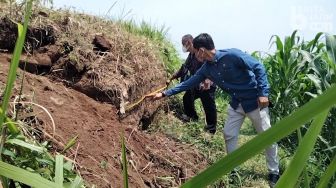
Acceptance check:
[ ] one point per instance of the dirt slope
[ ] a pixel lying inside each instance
(154, 160)
(85, 71)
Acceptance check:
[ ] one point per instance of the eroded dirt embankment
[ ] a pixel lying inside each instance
(84, 79)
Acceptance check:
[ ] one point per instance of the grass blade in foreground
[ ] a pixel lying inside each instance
(14, 64)
(304, 171)
(124, 161)
(8, 120)
(328, 174)
(281, 129)
(25, 145)
(70, 144)
(28, 178)
(306, 146)
(12, 75)
(78, 182)
(59, 170)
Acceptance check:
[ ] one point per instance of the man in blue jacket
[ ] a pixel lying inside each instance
(245, 80)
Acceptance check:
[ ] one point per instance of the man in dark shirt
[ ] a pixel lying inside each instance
(205, 90)
(244, 78)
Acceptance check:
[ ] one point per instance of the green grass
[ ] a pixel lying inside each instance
(158, 36)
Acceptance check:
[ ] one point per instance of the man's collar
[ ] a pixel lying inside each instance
(218, 55)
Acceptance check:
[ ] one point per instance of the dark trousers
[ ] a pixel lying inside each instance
(209, 105)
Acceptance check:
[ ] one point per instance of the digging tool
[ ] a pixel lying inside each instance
(131, 106)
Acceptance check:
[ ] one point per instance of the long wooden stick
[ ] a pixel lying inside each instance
(128, 107)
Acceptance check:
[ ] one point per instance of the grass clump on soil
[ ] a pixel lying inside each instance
(158, 35)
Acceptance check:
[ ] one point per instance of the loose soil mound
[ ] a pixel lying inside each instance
(154, 160)
(111, 66)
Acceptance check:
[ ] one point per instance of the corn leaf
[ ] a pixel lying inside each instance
(312, 44)
(331, 170)
(331, 47)
(306, 146)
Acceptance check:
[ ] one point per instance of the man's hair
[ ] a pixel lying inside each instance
(203, 40)
(186, 38)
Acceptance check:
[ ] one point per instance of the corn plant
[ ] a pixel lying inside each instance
(298, 72)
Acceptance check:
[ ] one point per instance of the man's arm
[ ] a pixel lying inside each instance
(192, 82)
(261, 77)
(260, 74)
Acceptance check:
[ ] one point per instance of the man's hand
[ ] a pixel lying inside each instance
(263, 102)
(168, 82)
(205, 85)
(155, 96)
(201, 86)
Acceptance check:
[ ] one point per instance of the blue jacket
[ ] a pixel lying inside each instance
(239, 74)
